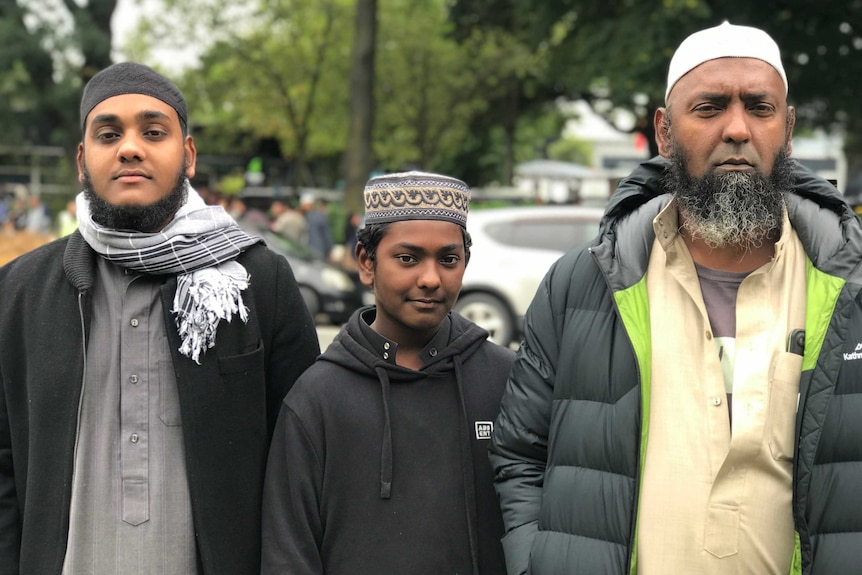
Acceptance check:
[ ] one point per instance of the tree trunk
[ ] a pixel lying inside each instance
(93, 28)
(358, 155)
(509, 119)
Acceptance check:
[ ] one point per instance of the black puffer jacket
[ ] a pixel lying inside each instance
(567, 444)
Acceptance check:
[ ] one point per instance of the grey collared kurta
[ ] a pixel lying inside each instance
(130, 509)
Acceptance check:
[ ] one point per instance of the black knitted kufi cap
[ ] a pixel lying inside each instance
(131, 78)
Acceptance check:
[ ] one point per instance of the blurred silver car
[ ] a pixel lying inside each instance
(513, 248)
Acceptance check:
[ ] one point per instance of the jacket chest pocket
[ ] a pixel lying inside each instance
(783, 403)
(169, 398)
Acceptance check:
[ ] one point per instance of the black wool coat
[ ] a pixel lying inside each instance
(229, 403)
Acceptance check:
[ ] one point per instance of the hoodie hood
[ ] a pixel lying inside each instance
(347, 350)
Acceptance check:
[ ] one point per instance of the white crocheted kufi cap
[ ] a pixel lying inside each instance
(724, 41)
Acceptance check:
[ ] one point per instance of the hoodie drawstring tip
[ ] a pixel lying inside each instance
(385, 489)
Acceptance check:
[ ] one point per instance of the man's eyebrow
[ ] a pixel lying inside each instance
(144, 115)
(152, 115)
(716, 97)
(450, 248)
(722, 98)
(413, 247)
(409, 246)
(755, 96)
(105, 119)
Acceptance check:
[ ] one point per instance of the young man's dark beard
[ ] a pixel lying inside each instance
(149, 218)
(730, 209)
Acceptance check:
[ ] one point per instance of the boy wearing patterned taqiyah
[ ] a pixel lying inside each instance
(379, 460)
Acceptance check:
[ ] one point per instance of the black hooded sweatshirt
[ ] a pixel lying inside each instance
(379, 469)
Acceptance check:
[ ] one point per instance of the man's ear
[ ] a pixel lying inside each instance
(661, 123)
(80, 162)
(365, 266)
(191, 156)
(791, 123)
(466, 257)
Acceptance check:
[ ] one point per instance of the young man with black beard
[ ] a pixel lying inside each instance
(143, 360)
(687, 396)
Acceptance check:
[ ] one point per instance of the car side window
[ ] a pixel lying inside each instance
(556, 234)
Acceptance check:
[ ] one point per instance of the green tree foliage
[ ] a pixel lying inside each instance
(50, 49)
(522, 99)
(572, 150)
(463, 86)
(426, 90)
(482, 76)
(281, 70)
(482, 157)
(274, 71)
(615, 53)
(610, 53)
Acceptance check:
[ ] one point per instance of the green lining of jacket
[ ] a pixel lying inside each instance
(796, 561)
(633, 306)
(821, 292)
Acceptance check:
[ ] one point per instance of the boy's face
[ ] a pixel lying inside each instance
(416, 277)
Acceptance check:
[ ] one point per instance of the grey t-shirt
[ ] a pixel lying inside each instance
(719, 289)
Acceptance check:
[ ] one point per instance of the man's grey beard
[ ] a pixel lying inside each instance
(730, 209)
(149, 218)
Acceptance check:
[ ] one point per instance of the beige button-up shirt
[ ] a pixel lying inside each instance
(715, 501)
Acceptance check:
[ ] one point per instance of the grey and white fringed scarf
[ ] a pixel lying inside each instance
(199, 245)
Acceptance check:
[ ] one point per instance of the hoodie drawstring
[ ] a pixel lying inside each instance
(465, 449)
(467, 470)
(386, 447)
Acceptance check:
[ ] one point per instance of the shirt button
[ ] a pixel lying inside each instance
(716, 401)
(385, 355)
(134, 323)
(432, 352)
(708, 336)
(386, 345)
(134, 438)
(134, 379)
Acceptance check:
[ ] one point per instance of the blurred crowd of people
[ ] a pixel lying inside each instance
(310, 221)
(22, 210)
(26, 221)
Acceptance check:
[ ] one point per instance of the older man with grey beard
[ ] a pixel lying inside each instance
(687, 398)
